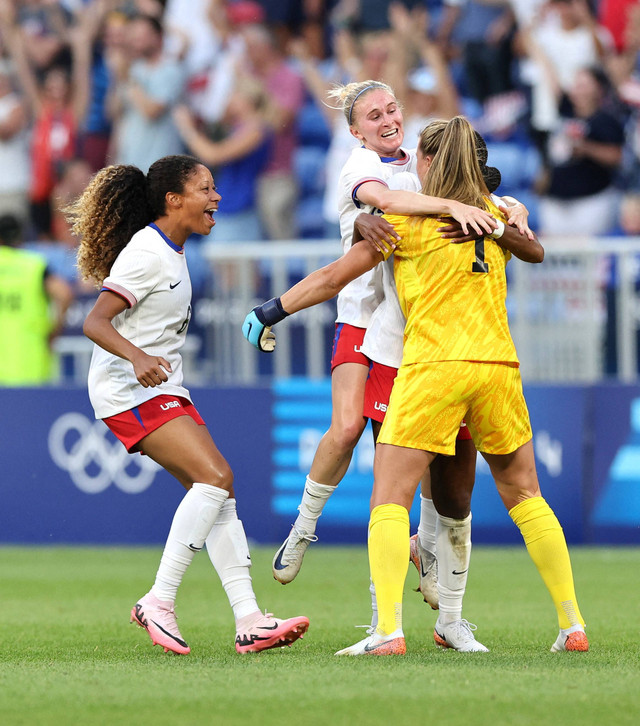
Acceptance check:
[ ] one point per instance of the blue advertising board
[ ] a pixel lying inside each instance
(302, 413)
(614, 512)
(65, 479)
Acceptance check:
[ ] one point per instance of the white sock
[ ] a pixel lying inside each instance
(374, 605)
(229, 554)
(313, 500)
(191, 524)
(453, 542)
(427, 525)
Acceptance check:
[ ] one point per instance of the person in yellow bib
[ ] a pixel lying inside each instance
(459, 361)
(33, 304)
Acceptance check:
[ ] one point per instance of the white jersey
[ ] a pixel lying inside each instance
(151, 274)
(384, 338)
(360, 298)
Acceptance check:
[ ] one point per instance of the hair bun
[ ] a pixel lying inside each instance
(492, 177)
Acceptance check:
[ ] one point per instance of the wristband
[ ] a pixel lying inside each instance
(497, 233)
(271, 312)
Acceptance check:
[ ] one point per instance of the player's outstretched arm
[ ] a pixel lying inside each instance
(321, 285)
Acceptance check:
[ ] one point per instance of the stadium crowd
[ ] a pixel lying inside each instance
(553, 85)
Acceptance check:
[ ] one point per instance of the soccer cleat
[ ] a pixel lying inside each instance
(376, 644)
(427, 566)
(459, 636)
(572, 639)
(264, 631)
(158, 618)
(288, 559)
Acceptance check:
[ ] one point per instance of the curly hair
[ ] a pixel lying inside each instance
(118, 202)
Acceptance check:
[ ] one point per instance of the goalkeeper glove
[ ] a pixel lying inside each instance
(257, 325)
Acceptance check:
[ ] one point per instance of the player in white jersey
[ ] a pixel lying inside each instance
(133, 228)
(375, 119)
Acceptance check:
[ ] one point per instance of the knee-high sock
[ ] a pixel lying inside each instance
(229, 554)
(453, 542)
(191, 525)
(427, 525)
(547, 547)
(389, 562)
(374, 605)
(314, 498)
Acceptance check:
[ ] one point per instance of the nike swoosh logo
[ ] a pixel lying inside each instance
(370, 648)
(171, 635)
(277, 564)
(269, 627)
(193, 548)
(455, 572)
(176, 285)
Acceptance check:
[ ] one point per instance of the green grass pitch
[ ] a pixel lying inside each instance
(69, 656)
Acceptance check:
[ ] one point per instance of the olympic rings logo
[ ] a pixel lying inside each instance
(79, 446)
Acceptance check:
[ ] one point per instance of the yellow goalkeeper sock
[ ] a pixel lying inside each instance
(389, 562)
(547, 547)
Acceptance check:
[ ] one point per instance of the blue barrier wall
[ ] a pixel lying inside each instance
(65, 479)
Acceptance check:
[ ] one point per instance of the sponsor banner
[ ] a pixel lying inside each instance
(66, 479)
(614, 511)
(302, 413)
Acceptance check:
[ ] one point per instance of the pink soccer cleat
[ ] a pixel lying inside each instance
(158, 618)
(261, 632)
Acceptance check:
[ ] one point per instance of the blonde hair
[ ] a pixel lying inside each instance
(455, 171)
(347, 95)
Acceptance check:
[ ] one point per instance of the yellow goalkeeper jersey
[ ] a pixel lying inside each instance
(452, 295)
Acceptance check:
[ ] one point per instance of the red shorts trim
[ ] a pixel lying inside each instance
(377, 393)
(133, 425)
(346, 346)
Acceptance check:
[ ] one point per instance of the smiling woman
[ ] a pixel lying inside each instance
(133, 229)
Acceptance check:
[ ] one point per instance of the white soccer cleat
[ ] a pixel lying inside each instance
(572, 639)
(288, 559)
(376, 644)
(459, 636)
(427, 566)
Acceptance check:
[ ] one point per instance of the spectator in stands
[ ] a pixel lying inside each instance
(238, 158)
(147, 85)
(479, 34)
(14, 149)
(420, 72)
(629, 222)
(100, 29)
(584, 153)
(624, 69)
(44, 25)
(277, 185)
(559, 42)
(56, 104)
(28, 292)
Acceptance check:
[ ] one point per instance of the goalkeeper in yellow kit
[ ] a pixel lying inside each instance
(459, 361)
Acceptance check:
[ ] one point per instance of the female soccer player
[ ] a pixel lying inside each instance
(459, 361)
(133, 229)
(375, 119)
